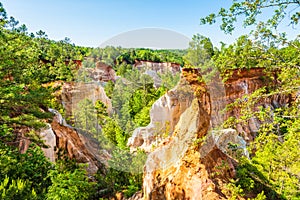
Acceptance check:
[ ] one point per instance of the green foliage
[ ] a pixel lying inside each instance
(132, 55)
(250, 10)
(260, 196)
(101, 111)
(123, 68)
(109, 89)
(279, 160)
(28, 64)
(107, 55)
(69, 185)
(200, 55)
(241, 54)
(113, 132)
(274, 166)
(19, 189)
(132, 100)
(31, 168)
(124, 173)
(232, 191)
(168, 80)
(85, 116)
(200, 50)
(142, 118)
(273, 169)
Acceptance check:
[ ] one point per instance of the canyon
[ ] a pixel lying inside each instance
(194, 161)
(188, 156)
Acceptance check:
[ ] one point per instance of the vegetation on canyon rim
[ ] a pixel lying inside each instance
(30, 63)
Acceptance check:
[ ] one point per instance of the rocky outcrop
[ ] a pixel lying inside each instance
(77, 147)
(101, 73)
(153, 69)
(195, 161)
(162, 67)
(176, 170)
(164, 115)
(49, 138)
(155, 77)
(227, 141)
(80, 146)
(73, 93)
(245, 82)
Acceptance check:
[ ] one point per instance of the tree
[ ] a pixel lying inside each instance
(19, 189)
(250, 10)
(69, 185)
(101, 111)
(86, 117)
(29, 169)
(28, 67)
(200, 50)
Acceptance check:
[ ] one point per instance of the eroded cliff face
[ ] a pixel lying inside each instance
(77, 147)
(244, 82)
(73, 93)
(59, 136)
(188, 165)
(164, 115)
(162, 67)
(101, 73)
(177, 170)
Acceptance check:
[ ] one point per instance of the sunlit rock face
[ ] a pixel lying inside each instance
(59, 136)
(174, 170)
(49, 139)
(153, 69)
(101, 73)
(197, 160)
(164, 115)
(245, 82)
(162, 67)
(155, 77)
(73, 93)
(89, 85)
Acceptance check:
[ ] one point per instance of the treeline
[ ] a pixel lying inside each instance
(133, 55)
(115, 56)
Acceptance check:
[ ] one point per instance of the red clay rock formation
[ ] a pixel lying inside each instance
(102, 72)
(49, 138)
(175, 170)
(243, 82)
(73, 93)
(164, 115)
(163, 67)
(184, 167)
(77, 146)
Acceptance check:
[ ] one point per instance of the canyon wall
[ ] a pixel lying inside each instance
(164, 115)
(101, 73)
(60, 138)
(195, 161)
(73, 93)
(159, 67)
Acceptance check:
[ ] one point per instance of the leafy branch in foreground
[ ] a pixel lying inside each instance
(250, 10)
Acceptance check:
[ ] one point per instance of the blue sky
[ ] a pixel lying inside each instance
(92, 22)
